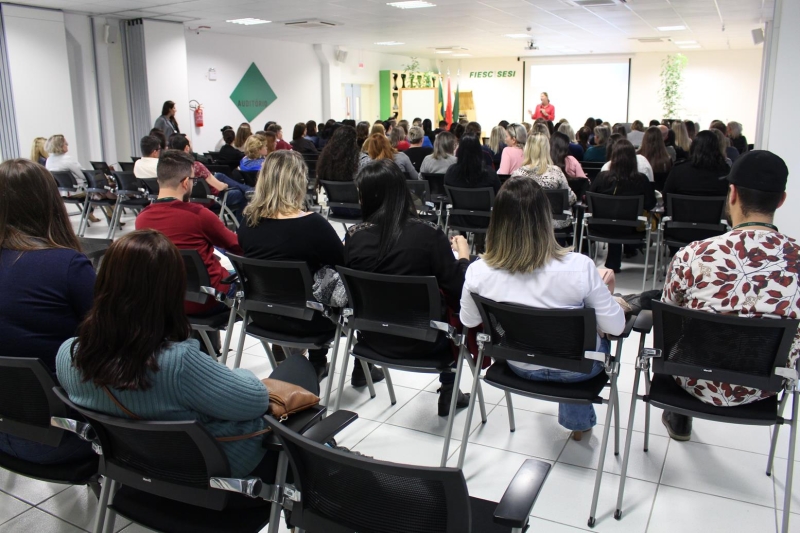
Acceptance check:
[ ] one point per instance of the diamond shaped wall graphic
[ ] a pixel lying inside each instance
(253, 94)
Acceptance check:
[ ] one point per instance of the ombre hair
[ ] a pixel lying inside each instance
(537, 153)
(37, 149)
(280, 188)
(567, 130)
(682, 139)
(520, 237)
(497, 138)
(519, 133)
(55, 144)
(444, 145)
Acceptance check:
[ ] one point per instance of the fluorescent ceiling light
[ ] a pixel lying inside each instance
(518, 35)
(671, 28)
(687, 46)
(444, 51)
(684, 42)
(249, 21)
(462, 55)
(413, 4)
(388, 43)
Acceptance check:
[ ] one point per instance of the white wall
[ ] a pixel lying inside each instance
(291, 69)
(720, 85)
(40, 76)
(84, 88)
(167, 76)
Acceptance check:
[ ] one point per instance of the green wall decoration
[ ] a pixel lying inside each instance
(671, 79)
(253, 94)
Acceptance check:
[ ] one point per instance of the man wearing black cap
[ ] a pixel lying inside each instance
(761, 267)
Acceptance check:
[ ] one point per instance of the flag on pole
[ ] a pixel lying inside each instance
(448, 114)
(456, 105)
(440, 117)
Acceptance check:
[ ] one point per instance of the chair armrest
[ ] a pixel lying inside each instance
(329, 427)
(230, 279)
(516, 505)
(644, 322)
(629, 324)
(642, 219)
(450, 331)
(81, 429)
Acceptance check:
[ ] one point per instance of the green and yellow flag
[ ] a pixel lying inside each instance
(441, 104)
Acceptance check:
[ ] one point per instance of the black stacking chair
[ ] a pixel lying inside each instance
(688, 219)
(342, 195)
(68, 188)
(96, 184)
(95, 249)
(421, 194)
(101, 166)
(471, 206)
(213, 156)
(126, 166)
(135, 159)
(564, 339)
(400, 306)
(218, 168)
(158, 474)
(201, 194)
(247, 177)
(130, 193)
(311, 163)
(591, 168)
(503, 177)
(152, 187)
(281, 289)
(199, 290)
(607, 213)
(561, 210)
(335, 491)
(27, 404)
(750, 352)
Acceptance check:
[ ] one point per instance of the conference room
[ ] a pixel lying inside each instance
(439, 266)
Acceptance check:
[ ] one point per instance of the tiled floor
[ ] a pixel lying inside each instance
(715, 483)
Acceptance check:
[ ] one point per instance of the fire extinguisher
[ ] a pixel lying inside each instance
(197, 107)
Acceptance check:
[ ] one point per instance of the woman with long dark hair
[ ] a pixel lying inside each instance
(311, 133)
(622, 179)
(655, 151)
(166, 122)
(151, 366)
(700, 174)
(339, 161)
(560, 154)
(394, 240)
(471, 171)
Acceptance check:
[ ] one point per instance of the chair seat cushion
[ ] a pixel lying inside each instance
(440, 362)
(316, 339)
(170, 516)
(665, 392)
(483, 517)
(501, 375)
(217, 321)
(77, 473)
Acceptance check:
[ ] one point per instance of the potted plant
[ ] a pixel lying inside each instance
(671, 79)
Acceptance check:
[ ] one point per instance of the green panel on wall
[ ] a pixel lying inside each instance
(253, 94)
(386, 94)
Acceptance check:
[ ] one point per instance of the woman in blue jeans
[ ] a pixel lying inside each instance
(524, 265)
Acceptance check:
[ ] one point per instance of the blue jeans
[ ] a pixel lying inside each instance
(70, 450)
(237, 194)
(575, 417)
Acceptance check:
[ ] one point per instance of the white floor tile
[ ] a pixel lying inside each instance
(536, 435)
(394, 444)
(421, 414)
(539, 525)
(779, 480)
(77, 505)
(356, 432)
(718, 471)
(379, 408)
(38, 521)
(414, 380)
(26, 489)
(11, 507)
(683, 510)
(754, 439)
(491, 395)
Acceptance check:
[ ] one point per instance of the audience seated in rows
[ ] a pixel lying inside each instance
(443, 156)
(655, 152)
(597, 153)
(339, 161)
(311, 133)
(417, 151)
(146, 166)
(560, 155)
(730, 151)
(48, 286)
(642, 164)
(378, 147)
(300, 143)
(221, 141)
(227, 153)
(496, 145)
(61, 160)
(512, 156)
(255, 150)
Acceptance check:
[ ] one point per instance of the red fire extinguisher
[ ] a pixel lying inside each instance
(197, 107)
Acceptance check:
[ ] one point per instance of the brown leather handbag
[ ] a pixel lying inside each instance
(286, 399)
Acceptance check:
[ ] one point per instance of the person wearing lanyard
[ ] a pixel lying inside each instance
(545, 110)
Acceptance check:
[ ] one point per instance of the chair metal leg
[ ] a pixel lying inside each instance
(659, 235)
(84, 215)
(240, 346)
(368, 375)
(628, 439)
(647, 412)
(512, 426)
(112, 229)
(616, 424)
(580, 238)
(207, 342)
(270, 354)
(787, 490)
(481, 402)
(599, 477)
(226, 345)
(102, 506)
(111, 515)
(476, 375)
(448, 432)
(280, 480)
(390, 386)
(646, 256)
(334, 359)
(343, 375)
(774, 440)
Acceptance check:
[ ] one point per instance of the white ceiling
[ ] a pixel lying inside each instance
(478, 25)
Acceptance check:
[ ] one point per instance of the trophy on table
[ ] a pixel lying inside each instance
(403, 79)
(394, 76)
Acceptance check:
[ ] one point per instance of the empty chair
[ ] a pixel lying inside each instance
(101, 166)
(472, 207)
(131, 194)
(560, 208)
(436, 183)
(97, 190)
(342, 195)
(126, 166)
(71, 192)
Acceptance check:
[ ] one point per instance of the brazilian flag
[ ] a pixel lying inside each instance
(441, 103)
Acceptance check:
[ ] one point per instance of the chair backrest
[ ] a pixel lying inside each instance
(102, 166)
(436, 182)
(393, 305)
(125, 166)
(151, 184)
(554, 338)
(249, 177)
(695, 209)
(221, 169)
(559, 201)
(503, 177)
(724, 348)
(279, 288)
(65, 180)
(341, 193)
(126, 182)
(196, 277)
(27, 401)
(420, 192)
(591, 168)
(200, 192)
(311, 163)
(614, 210)
(135, 159)
(342, 492)
(95, 249)
(214, 156)
(472, 201)
(169, 459)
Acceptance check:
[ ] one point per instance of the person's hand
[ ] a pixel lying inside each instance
(460, 246)
(530, 112)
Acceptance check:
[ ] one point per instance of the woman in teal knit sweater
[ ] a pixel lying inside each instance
(134, 345)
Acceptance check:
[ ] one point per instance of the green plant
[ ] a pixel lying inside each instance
(671, 78)
(413, 67)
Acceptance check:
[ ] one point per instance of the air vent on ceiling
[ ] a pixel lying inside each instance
(595, 3)
(310, 23)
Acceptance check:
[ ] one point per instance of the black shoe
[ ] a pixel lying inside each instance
(358, 379)
(678, 426)
(321, 369)
(278, 353)
(446, 395)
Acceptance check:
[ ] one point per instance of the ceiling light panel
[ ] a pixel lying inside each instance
(412, 4)
(671, 28)
(389, 43)
(249, 21)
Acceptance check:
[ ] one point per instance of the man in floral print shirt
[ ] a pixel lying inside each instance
(753, 271)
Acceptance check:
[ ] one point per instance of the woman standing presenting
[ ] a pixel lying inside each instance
(166, 122)
(545, 110)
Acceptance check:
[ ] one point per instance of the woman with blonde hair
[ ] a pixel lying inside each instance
(378, 148)
(538, 165)
(497, 144)
(242, 135)
(398, 139)
(524, 265)
(443, 156)
(682, 141)
(38, 153)
(511, 160)
(255, 150)
(277, 227)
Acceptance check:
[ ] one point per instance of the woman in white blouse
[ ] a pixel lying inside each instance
(524, 265)
(60, 160)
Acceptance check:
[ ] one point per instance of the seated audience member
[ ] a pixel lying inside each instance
(162, 139)
(146, 166)
(736, 138)
(443, 156)
(756, 189)
(327, 132)
(276, 228)
(405, 125)
(560, 155)
(393, 240)
(512, 156)
(574, 148)
(417, 152)
(730, 151)
(427, 127)
(538, 165)
(673, 155)
(379, 148)
(582, 139)
(497, 145)
(620, 129)
(691, 129)
(255, 150)
(701, 174)
(524, 265)
(242, 135)
(362, 132)
(189, 226)
(417, 122)
(228, 154)
(597, 153)
(459, 131)
(153, 369)
(61, 160)
(655, 151)
(636, 134)
(591, 124)
(378, 128)
(300, 143)
(38, 153)
(47, 287)
(339, 161)
(278, 131)
(682, 141)
(642, 164)
(654, 123)
(471, 171)
(311, 133)
(622, 179)
(474, 129)
(221, 141)
(397, 139)
(442, 127)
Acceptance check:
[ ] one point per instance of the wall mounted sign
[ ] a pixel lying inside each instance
(493, 74)
(253, 94)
